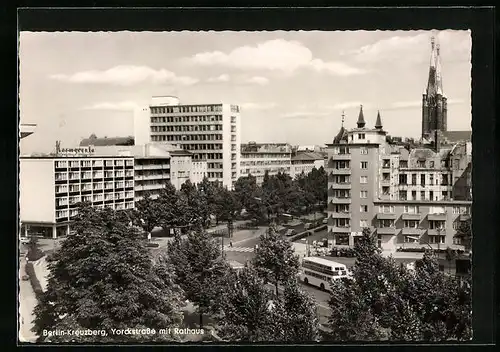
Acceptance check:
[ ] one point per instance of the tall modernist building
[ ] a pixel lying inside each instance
(51, 186)
(257, 158)
(411, 197)
(210, 132)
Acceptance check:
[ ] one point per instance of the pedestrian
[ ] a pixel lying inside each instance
(230, 243)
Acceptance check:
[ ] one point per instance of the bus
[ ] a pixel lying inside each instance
(321, 272)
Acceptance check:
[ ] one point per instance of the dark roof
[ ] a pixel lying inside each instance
(361, 118)
(101, 142)
(308, 156)
(180, 152)
(457, 136)
(378, 123)
(342, 135)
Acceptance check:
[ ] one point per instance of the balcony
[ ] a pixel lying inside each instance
(385, 181)
(437, 217)
(408, 216)
(464, 217)
(386, 216)
(338, 229)
(386, 231)
(344, 156)
(436, 232)
(335, 200)
(344, 185)
(345, 171)
(339, 215)
(411, 231)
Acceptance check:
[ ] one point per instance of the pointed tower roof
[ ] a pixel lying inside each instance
(378, 123)
(439, 81)
(431, 83)
(361, 118)
(342, 135)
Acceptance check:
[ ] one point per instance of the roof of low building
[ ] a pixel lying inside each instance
(100, 142)
(308, 156)
(457, 136)
(180, 152)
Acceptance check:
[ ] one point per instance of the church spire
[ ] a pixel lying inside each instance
(361, 119)
(378, 123)
(431, 84)
(439, 81)
(343, 117)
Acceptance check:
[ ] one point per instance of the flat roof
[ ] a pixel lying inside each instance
(76, 157)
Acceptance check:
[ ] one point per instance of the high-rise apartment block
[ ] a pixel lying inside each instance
(210, 132)
(51, 186)
(259, 158)
(411, 196)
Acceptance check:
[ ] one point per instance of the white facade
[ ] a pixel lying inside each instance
(158, 163)
(50, 188)
(210, 132)
(256, 159)
(306, 165)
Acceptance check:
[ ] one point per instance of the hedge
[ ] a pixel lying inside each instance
(37, 288)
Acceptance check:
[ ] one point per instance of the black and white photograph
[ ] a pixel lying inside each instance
(291, 187)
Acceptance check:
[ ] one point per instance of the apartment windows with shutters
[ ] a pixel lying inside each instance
(364, 165)
(364, 208)
(364, 194)
(363, 179)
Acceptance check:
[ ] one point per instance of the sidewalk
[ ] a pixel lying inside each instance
(27, 303)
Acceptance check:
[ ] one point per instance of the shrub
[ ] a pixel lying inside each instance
(37, 288)
(34, 251)
(155, 245)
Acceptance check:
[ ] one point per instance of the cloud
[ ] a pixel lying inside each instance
(258, 106)
(115, 106)
(222, 78)
(400, 105)
(454, 46)
(278, 54)
(126, 75)
(262, 81)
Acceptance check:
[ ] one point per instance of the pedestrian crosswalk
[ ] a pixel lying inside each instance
(238, 249)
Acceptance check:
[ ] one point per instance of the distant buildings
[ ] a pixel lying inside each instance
(157, 163)
(210, 132)
(305, 162)
(257, 158)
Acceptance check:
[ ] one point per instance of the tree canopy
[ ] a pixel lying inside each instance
(384, 300)
(103, 278)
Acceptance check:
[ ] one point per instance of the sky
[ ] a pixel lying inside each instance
(292, 86)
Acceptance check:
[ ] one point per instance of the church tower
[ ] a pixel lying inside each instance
(434, 102)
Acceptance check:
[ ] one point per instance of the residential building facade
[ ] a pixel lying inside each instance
(257, 158)
(50, 188)
(394, 190)
(210, 132)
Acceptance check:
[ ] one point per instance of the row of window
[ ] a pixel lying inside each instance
(64, 213)
(412, 195)
(186, 108)
(287, 156)
(186, 128)
(346, 150)
(92, 163)
(390, 223)
(265, 162)
(442, 179)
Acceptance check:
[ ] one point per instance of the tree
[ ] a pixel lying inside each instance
(200, 270)
(227, 208)
(247, 193)
(34, 251)
(465, 231)
(196, 202)
(275, 259)
(247, 311)
(147, 213)
(296, 315)
(386, 300)
(208, 191)
(103, 278)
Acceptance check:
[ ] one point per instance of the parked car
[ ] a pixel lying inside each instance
(291, 232)
(325, 221)
(25, 240)
(307, 226)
